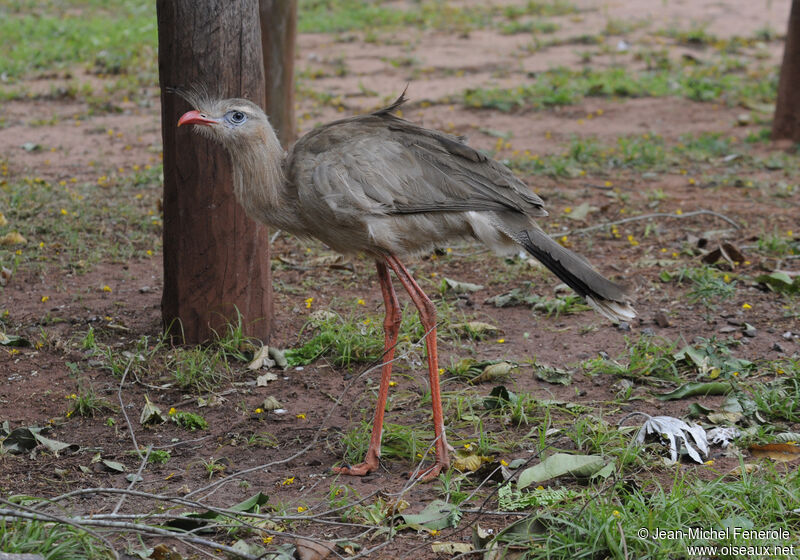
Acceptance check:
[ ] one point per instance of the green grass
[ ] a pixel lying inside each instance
(708, 285)
(78, 224)
(108, 38)
(644, 357)
(52, 541)
(610, 524)
(721, 83)
(335, 16)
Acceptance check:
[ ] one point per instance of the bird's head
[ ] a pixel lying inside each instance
(232, 122)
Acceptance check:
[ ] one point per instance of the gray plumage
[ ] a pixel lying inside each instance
(382, 185)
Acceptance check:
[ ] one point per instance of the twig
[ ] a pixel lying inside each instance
(723, 217)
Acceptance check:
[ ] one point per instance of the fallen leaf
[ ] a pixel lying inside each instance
(459, 287)
(723, 436)
(270, 403)
(163, 552)
(451, 548)
(13, 340)
(725, 252)
(437, 515)
(261, 359)
(494, 372)
(252, 549)
(151, 414)
(263, 380)
(559, 464)
(781, 281)
(31, 147)
(695, 389)
(13, 238)
(113, 465)
(3, 220)
(553, 375)
(5, 275)
(677, 432)
(581, 211)
(781, 452)
(313, 550)
(468, 461)
(476, 329)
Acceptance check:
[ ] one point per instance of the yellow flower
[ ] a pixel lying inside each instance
(692, 181)
(309, 301)
(172, 411)
(301, 416)
(608, 183)
(288, 481)
(726, 278)
(434, 532)
(709, 462)
(301, 509)
(540, 487)
(392, 383)
(501, 340)
(747, 306)
(441, 371)
(106, 288)
(504, 462)
(149, 253)
(735, 374)
(259, 411)
(64, 212)
(45, 299)
(679, 212)
(616, 514)
(567, 210)
(467, 446)
(361, 302)
(266, 540)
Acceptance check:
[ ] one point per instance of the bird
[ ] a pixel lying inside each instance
(379, 185)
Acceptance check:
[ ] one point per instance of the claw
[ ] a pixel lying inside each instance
(355, 470)
(430, 474)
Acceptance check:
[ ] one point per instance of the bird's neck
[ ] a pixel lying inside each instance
(258, 178)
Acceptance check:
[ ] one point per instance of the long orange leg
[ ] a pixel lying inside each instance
(427, 314)
(391, 328)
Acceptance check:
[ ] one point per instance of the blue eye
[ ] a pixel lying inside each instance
(237, 117)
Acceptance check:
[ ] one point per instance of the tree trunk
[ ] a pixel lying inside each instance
(216, 260)
(786, 123)
(278, 28)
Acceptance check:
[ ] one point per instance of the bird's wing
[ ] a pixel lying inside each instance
(383, 165)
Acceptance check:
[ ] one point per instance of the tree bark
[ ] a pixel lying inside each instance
(786, 123)
(216, 260)
(278, 29)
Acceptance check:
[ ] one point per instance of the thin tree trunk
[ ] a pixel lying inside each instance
(278, 30)
(786, 123)
(216, 260)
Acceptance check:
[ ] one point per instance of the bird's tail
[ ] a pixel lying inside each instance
(609, 299)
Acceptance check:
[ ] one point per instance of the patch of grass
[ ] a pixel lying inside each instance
(531, 26)
(77, 224)
(780, 398)
(87, 403)
(720, 83)
(399, 442)
(52, 541)
(113, 38)
(778, 245)
(159, 456)
(647, 356)
(610, 524)
(708, 285)
(189, 420)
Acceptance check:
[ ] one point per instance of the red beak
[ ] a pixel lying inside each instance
(196, 117)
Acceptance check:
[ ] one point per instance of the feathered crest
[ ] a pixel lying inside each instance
(196, 94)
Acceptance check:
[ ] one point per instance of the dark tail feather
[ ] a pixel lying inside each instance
(608, 298)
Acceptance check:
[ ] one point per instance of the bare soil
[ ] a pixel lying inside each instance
(36, 382)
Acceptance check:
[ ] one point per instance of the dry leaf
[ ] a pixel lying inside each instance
(312, 550)
(781, 452)
(263, 380)
(3, 221)
(451, 548)
(13, 238)
(261, 359)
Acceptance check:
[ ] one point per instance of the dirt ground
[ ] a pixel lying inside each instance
(37, 381)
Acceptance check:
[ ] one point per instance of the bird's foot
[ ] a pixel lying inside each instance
(428, 474)
(361, 469)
